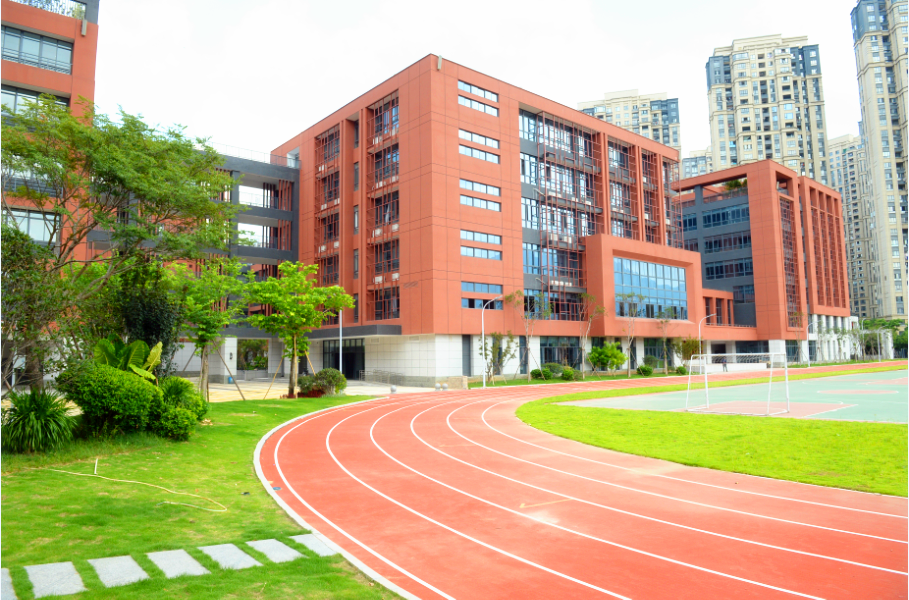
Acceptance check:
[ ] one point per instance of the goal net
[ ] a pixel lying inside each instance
(769, 396)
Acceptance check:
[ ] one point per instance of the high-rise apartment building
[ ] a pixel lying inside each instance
(880, 29)
(651, 115)
(766, 100)
(699, 162)
(849, 176)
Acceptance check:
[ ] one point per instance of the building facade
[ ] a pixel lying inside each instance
(48, 48)
(766, 99)
(849, 176)
(880, 30)
(699, 162)
(651, 115)
(774, 243)
(442, 190)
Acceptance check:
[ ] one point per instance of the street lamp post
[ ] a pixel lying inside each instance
(483, 335)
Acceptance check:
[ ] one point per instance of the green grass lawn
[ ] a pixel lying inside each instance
(869, 457)
(53, 517)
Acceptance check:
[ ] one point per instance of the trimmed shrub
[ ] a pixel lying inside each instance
(547, 374)
(554, 368)
(330, 381)
(578, 375)
(111, 400)
(35, 421)
(305, 383)
(176, 423)
(651, 361)
(645, 370)
(182, 393)
(536, 374)
(681, 370)
(567, 374)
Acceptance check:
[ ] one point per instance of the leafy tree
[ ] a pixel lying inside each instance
(33, 296)
(665, 318)
(630, 308)
(608, 357)
(531, 309)
(735, 184)
(687, 347)
(590, 311)
(150, 190)
(298, 308)
(207, 304)
(901, 340)
(498, 350)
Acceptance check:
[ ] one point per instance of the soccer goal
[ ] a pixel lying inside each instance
(734, 400)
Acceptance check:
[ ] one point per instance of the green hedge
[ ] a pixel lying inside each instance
(111, 400)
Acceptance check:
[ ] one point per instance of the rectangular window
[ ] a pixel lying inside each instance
(531, 258)
(691, 245)
(489, 110)
(690, 223)
(662, 286)
(387, 304)
(478, 139)
(356, 263)
(356, 219)
(481, 154)
(480, 203)
(481, 288)
(39, 226)
(356, 307)
(16, 99)
(726, 216)
(481, 253)
(480, 188)
(478, 91)
(37, 50)
(483, 238)
(725, 243)
(743, 294)
(478, 303)
(740, 267)
(356, 176)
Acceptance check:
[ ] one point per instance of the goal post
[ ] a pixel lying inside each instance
(762, 365)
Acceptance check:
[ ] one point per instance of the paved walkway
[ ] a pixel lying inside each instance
(256, 389)
(61, 579)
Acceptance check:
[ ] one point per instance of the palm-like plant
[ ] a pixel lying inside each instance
(135, 357)
(35, 421)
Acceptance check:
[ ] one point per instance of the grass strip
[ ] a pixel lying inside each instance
(869, 457)
(51, 517)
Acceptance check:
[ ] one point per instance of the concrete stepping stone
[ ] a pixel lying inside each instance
(175, 563)
(118, 570)
(55, 579)
(275, 551)
(230, 557)
(6, 586)
(315, 544)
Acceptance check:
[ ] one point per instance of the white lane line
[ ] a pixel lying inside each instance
(658, 495)
(312, 509)
(446, 527)
(569, 530)
(625, 512)
(599, 462)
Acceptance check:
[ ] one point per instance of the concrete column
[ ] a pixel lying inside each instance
(217, 372)
(275, 360)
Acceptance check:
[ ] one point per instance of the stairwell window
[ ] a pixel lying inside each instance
(485, 108)
(478, 91)
(481, 253)
(481, 154)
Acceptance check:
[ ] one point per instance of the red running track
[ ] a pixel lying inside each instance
(449, 495)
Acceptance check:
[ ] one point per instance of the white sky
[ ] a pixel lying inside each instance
(253, 74)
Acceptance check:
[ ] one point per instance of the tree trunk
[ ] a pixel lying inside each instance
(33, 375)
(665, 359)
(630, 345)
(203, 373)
(294, 368)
